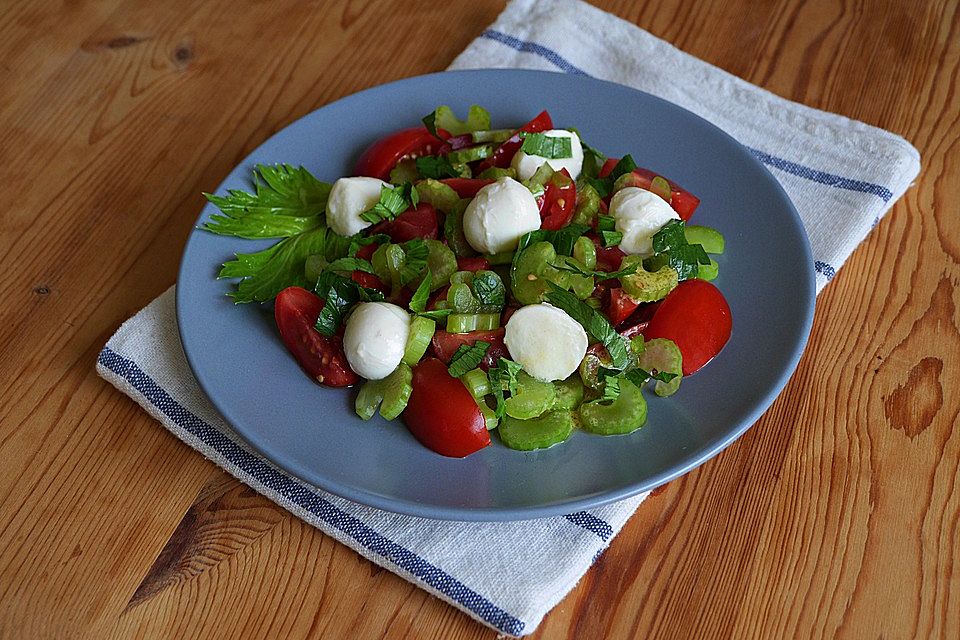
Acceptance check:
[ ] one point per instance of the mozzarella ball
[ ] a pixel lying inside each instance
(545, 341)
(375, 337)
(526, 165)
(639, 215)
(350, 197)
(499, 215)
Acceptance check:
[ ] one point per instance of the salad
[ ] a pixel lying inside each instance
(473, 281)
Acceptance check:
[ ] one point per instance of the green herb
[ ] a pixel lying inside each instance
(604, 186)
(478, 119)
(611, 238)
(436, 167)
(350, 264)
(489, 290)
(415, 260)
(606, 223)
(540, 144)
(503, 377)
(467, 358)
(358, 241)
(286, 201)
(593, 160)
(593, 322)
(574, 266)
(561, 239)
(339, 294)
(418, 303)
(611, 389)
(393, 201)
(682, 256)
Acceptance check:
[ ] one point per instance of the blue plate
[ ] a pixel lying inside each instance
(311, 431)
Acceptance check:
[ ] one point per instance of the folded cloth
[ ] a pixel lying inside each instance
(841, 174)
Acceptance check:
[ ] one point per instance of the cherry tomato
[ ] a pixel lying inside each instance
(682, 201)
(608, 258)
(369, 281)
(466, 187)
(636, 323)
(472, 264)
(696, 316)
(445, 344)
(558, 202)
(442, 414)
(384, 154)
(296, 311)
(412, 223)
(620, 306)
(366, 251)
(503, 154)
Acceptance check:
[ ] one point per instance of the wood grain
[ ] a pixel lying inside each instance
(836, 515)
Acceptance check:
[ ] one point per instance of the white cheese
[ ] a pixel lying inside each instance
(639, 215)
(499, 215)
(526, 165)
(350, 197)
(545, 341)
(375, 337)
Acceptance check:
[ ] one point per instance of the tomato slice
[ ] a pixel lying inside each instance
(620, 306)
(697, 317)
(682, 201)
(442, 414)
(559, 201)
(296, 311)
(445, 344)
(608, 258)
(384, 154)
(366, 251)
(466, 187)
(369, 281)
(472, 264)
(503, 154)
(412, 223)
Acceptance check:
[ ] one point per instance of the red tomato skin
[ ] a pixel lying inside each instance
(504, 153)
(296, 311)
(442, 414)
(366, 251)
(558, 203)
(472, 264)
(608, 258)
(412, 223)
(445, 345)
(696, 316)
(620, 307)
(382, 156)
(370, 281)
(682, 201)
(466, 187)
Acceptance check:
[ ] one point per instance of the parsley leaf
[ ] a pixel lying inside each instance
(593, 321)
(467, 357)
(286, 201)
(339, 294)
(436, 167)
(393, 201)
(503, 377)
(681, 255)
(544, 146)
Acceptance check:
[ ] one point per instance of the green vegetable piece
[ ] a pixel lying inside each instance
(439, 195)
(421, 332)
(569, 393)
(489, 415)
(629, 180)
(391, 394)
(590, 370)
(478, 119)
(710, 239)
(467, 357)
(536, 433)
(532, 398)
(471, 154)
(492, 135)
(538, 181)
(708, 271)
(477, 383)
(535, 268)
(461, 299)
(625, 414)
(585, 252)
(500, 258)
(540, 144)
(660, 186)
(662, 355)
(314, 266)
(441, 262)
(405, 171)
(488, 290)
(466, 322)
(462, 277)
(644, 286)
(453, 230)
(495, 173)
(588, 205)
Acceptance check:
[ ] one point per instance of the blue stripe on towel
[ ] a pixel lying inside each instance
(307, 499)
(592, 523)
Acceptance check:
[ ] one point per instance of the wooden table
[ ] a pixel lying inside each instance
(837, 514)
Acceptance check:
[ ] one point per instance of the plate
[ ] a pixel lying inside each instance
(312, 433)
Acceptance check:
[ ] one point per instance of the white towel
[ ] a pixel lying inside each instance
(842, 175)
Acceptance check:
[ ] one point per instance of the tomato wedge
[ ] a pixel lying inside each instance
(442, 414)
(296, 311)
(466, 187)
(620, 306)
(472, 264)
(412, 223)
(445, 344)
(682, 201)
(608, 258)
(384, 154)
(503, 154)
(559, 201)
(697, 317)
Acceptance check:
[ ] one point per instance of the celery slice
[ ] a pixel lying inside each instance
(532, 398)
(585, 252)
(477, 383)
(710, 239)
(437, 194)
(466, 322)
(661, 354)
(625, 414)
(421, 332)
(453, 231)
(708, 271)
(536, 433)
(569, 393)
(397, 388)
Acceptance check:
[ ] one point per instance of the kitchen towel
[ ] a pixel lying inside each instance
(842, 176)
